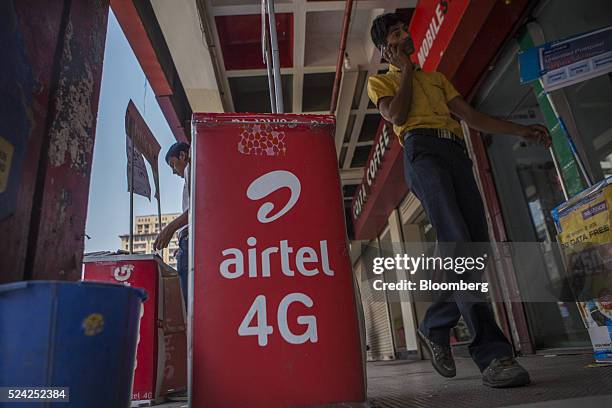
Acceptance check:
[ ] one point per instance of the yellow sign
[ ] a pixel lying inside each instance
(585, 234)
(6, 158)
(588, 221)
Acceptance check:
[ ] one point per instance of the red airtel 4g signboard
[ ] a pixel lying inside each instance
(274, 317)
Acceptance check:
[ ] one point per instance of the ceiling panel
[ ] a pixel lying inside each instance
(348, 190)
(359, 87)
(251, 93)
(317, 91)
(342, 157)
(349, 128)
(240, 38)
(218, 3)
(322, 37)
(371, 122)
(360, 157)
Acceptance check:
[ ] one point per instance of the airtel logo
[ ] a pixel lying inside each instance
(123, 273)
(267, 184)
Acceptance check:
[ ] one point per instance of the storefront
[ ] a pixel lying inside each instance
(390, 328)
(524, 175)
(477, 49)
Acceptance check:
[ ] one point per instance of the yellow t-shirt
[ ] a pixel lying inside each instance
(430, 93)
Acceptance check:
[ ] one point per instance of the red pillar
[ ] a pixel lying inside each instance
(48, 114)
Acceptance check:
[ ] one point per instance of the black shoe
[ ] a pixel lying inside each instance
(441, 356)
(178, 396)
(505, 372)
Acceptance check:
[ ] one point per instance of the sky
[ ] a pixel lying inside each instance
(108, 214)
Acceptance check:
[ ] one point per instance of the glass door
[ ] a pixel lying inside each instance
(528, 190)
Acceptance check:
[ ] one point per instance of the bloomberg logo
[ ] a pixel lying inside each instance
(373, 165)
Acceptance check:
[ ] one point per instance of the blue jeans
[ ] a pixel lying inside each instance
(439, 173)
(182, 264)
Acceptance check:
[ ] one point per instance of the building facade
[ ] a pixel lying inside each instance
(146, 230)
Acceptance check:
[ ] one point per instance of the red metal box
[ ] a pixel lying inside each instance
(161, 362)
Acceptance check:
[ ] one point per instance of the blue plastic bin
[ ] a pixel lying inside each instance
(80, 335)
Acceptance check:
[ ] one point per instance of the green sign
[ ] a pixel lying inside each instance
(570, 173)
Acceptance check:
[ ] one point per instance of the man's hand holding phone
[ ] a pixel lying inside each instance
(396, 55)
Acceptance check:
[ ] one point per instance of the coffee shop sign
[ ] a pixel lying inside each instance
(373, 165)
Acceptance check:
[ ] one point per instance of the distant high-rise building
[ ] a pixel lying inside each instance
(145, 233)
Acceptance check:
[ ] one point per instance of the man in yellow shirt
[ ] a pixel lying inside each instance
(439, 172)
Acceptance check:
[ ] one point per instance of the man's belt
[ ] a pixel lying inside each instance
(439, 133)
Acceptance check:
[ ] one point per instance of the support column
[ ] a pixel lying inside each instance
(48, 117)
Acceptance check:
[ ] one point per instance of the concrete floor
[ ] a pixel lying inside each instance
(555, 378)
(557, 382)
